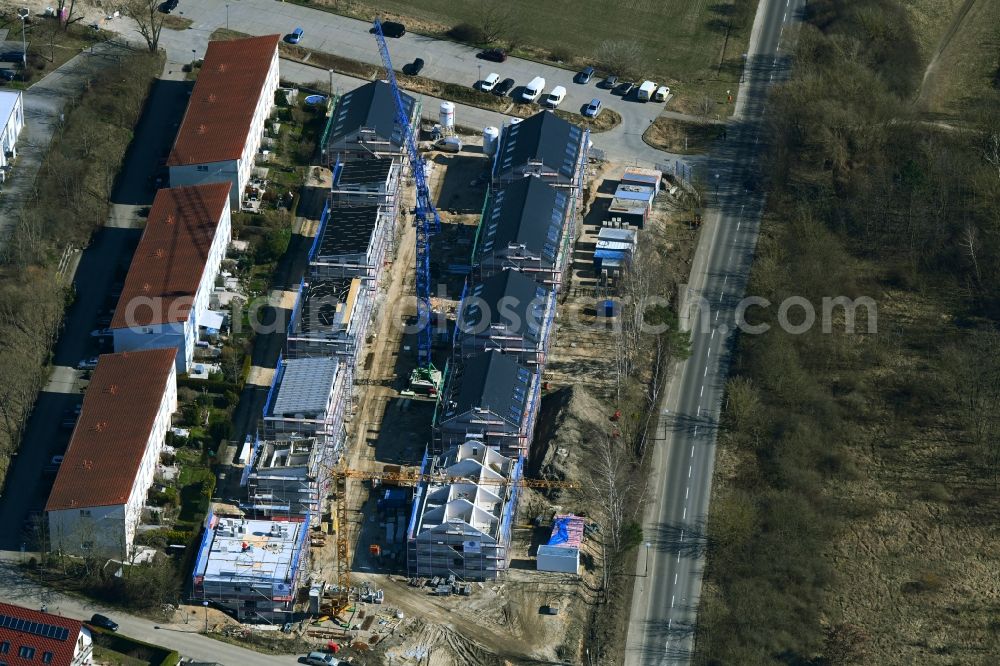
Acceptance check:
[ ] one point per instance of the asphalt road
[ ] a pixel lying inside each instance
(669, 572)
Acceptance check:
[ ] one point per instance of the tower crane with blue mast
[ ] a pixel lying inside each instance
(428, 222)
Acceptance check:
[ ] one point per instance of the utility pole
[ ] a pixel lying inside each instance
(23, 14)
(205, 604)
(227, 16)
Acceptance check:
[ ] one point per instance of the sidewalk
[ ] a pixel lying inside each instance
(44, 102)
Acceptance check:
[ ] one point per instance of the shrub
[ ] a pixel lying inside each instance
(468, 33)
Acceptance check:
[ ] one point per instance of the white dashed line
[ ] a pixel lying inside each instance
(685, 516)
(709, 354)
(706, 372)
(687, 492)
(692, 450)
(678, 557)
(690, 467)
(696, 431)
(682, 536)
(702, 392)
(673, 600)
(675, 579)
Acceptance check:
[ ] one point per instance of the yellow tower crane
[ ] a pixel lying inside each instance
(400, 478)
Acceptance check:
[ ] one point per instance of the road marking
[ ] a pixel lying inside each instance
(678, 557)
(725, 280)
(692, 450)
(675, 579)
(687, 491)
(716, 318)
(785, 17)
(682, 536)
(712, 337)
(709, 354)
(689, 470)
(695, 432)
(706, 372)
(738, 223)
(685, 516)
(673, 599)
(771, 78)
(702, 392)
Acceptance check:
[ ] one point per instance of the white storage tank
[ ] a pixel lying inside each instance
(447, 116)
(491, 138)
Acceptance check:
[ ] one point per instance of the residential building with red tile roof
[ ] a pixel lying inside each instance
(223, 127)
(166, 296)
(29, 637)
(97, 498)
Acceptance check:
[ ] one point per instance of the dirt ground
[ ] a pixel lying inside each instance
(683, 137)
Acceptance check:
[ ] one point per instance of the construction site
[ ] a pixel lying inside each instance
(420, 486)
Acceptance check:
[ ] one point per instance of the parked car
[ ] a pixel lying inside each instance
(414, 67)
(320, 659)
(393, 29)
(8, 74)
(104, 622)
(593, 109)
(625, 89)
(490, 82)
(53, 466)
(168, 6)
(661, 94)
(646, 91)
(610, 82)
(504, 87)
(295, 36)
(585, 75)
(448, 144)
(533, 90)
(100, 333)
(555, 97)
(87, 364)
(495, 55)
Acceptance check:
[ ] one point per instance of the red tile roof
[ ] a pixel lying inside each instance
(110, 437)
(62, 651)
(169, 262)
(218, 118)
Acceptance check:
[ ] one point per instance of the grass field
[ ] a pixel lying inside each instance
(684, 138)
(695, 46)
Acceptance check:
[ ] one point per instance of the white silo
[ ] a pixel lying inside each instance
(447, 117)
(491, 137)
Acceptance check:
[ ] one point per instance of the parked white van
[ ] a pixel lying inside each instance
(533, 90)
(646, 91)
(490, 82)
(661, 95)
(555, 98)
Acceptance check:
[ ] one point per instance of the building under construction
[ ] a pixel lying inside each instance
(251, 568)
(491, 398)
(462, 526)
(308, 397)
(288, 477)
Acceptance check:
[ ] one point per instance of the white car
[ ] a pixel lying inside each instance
(533, 90)
(661, 94)
(490, 82)
(320, 659)
(555, 97)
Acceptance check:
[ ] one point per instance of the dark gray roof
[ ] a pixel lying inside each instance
(373, 171)
(348, 231)
(371, 106)
(508, 298)
(490, 381)
(545, 138)
(528, 212)
(303, 386)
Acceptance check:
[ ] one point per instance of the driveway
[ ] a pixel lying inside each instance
(16, 589)
(43, 105)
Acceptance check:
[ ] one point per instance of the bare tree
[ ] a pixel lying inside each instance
(148, 19)
(68, 6)
(991, 150)
(497, 19)
(705, 106)
(621, 57)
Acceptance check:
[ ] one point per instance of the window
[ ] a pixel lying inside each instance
(26, 652)
(46, 657)
(85, 513)
(202, 167)
(4, 647)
